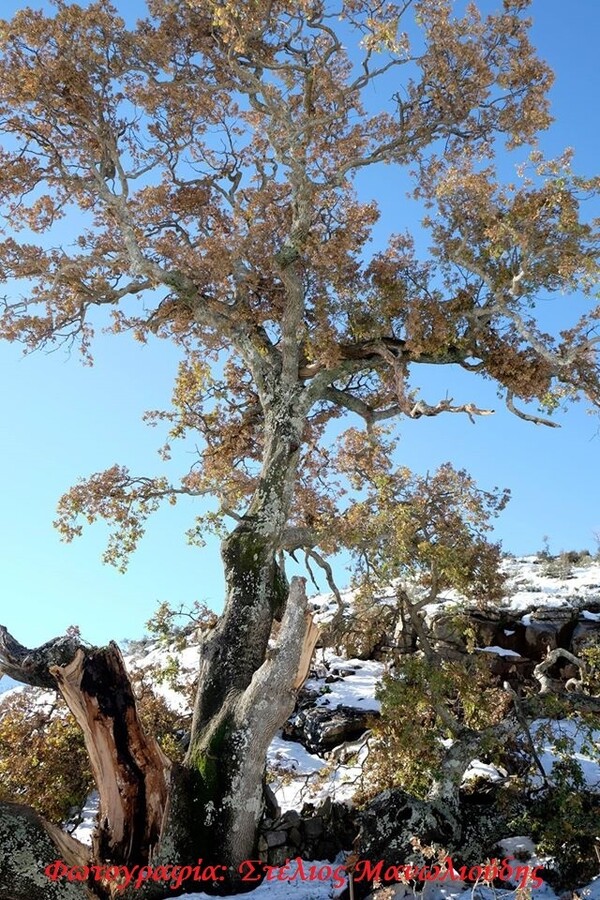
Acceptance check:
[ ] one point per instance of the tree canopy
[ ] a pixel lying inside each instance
(204, 163)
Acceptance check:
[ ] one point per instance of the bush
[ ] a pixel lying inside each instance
(408, 748)
(43, 760)
(170, 728)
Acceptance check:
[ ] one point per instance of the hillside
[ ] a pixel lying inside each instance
(318, 767)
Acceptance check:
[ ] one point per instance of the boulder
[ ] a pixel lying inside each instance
(390, 822)
(318, 832)
(320, 728)
(585, 634)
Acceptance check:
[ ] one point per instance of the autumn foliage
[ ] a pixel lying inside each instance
(195, 176)
(203, 162)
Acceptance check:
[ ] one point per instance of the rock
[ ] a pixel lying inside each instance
(325, 808)
(320, 728)
(275, 839)
(295, 837)
(586, 633)
(448, 651)
(313, 828)
(512, 668)
(316, 834)
(392, 819)
(290, 819)
(447, 629)
(342, 824)
(279, 856)
(26, 849)
(541, 637)
(554, 614)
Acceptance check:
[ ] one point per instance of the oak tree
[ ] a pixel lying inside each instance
(203, 163)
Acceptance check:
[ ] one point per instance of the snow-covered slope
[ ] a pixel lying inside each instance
(7, 684)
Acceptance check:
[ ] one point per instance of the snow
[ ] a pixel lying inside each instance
(479, 769)
(523, 849)
(291, 757)
(42, 700)
(356, 690)
(549, 732)
(294, 887)
(159, 656)
(590, 616)
(528, 588)
(303, 777)
(499, 651)
(85, 829)
(591, 891)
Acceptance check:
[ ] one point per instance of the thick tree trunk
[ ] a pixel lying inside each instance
(256, 589)
(230, 756)
(246, 690)
(209, 808)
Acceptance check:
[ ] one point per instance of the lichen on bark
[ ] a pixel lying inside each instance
(26, 848)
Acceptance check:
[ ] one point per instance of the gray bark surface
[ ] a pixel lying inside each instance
(27, 845)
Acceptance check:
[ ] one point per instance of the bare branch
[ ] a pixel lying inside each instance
(370, 414)
(537, 420)
(323, 564)
(522, 719)
(33, 666)
(548, 684)
(421, 408)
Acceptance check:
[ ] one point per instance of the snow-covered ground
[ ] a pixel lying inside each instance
(529, 586)
(356, 687)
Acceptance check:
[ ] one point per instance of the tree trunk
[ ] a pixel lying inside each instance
(129, 768)
(210, 807)
(246, 690)
(150, 811)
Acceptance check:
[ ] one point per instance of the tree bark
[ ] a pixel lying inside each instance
(28, 844)
(239, 673)
(210, 807)
(129, 768)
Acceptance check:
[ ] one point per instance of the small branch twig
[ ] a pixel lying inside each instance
(528, 417)
(522, 720)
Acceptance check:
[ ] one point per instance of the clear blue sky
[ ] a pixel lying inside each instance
(61, 421)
